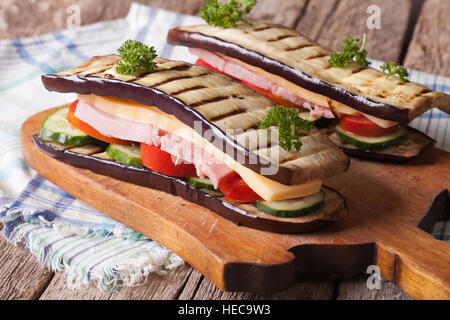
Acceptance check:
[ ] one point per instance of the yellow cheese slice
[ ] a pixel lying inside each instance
(266, 188)
(316, 98)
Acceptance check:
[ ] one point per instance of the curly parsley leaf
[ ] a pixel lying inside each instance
(351, 53)
(289, 124)
(137, 58)
(393, 68)
(226, 15)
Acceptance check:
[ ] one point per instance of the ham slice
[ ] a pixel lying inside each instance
(181, 149)
(205, 163)
(239, 71)
(112, 126)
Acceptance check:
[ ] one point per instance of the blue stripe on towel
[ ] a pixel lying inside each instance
(23, 53)
(168, 48)
(142, 33)
(70, 45)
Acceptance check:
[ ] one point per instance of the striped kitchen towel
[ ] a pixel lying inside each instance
(66, 234)
(61, 231)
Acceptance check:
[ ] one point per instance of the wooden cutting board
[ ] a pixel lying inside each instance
(386, 204)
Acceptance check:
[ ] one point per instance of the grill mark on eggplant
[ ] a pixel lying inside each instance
(96, 70)
(206, 101)
(183, 67)
(254, 127)
(424, 91)
(176, 78)
(170, 80)
(286, 160)
(282, 37)
(187, 90)
(262, 28)
(228, 114)
(267, 146)
(319, 55)
(356, 71)
(303, 46)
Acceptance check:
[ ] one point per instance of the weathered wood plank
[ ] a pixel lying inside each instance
(157, 287)
(429, 47)
(28, 17)
(330, 21)
(306, 289)
(192, 285)
(286, 12)
(355, 288)
(21, 277)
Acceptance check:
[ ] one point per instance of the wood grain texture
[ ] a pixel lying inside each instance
(286, 12)
(355, 288)
(429, 47)
(386, 202)
(156, 287)
(21, 277)
(312, 288)
(329, 21)
(26, 18)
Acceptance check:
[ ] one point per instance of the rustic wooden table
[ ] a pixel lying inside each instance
(415, 33)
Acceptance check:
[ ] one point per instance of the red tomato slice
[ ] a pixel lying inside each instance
(89, 130)
(362, 126)
(278, 100)
(160, 161)
(234, 188)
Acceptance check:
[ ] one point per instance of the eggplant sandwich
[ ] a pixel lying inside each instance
(194, 133)
(370, 109)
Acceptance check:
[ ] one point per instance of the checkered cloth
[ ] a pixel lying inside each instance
(64, 233)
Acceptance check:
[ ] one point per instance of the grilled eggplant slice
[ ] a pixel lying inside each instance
(411, 148)
(287, 54)
(222, 106)
(331, 211)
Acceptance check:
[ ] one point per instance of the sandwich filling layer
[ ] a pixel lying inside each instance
(127, 120)
(290, 55)
(319, 105)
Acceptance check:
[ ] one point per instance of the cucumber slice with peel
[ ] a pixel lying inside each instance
(215, 193)
(307, 116)
(201, 183)
(373, 143)
(292, 208)
(56, 128)
(129, 155)
(205, 185)
(317, 122)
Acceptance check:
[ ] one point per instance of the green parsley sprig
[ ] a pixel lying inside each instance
(289, 124)
(394, 68)
(226, 15)
(351, 53)
(137, 58)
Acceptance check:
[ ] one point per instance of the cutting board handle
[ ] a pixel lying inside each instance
(417, 262)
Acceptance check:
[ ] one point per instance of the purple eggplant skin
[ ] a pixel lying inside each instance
(178, 187)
